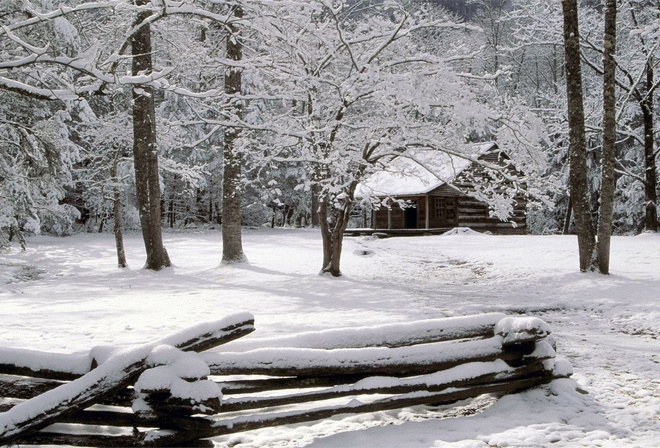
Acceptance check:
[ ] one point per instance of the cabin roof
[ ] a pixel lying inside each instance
(420, 175)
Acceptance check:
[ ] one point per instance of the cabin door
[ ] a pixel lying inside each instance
(411, 215)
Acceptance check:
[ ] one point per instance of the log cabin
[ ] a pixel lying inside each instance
(439, 196)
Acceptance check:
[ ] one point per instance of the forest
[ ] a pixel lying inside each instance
(239, 145)
(137, 115)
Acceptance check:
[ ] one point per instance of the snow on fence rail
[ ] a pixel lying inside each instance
(165, 394)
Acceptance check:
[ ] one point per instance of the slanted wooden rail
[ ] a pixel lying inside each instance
(163, 394)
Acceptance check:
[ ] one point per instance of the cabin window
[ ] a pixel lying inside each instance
(445, 208)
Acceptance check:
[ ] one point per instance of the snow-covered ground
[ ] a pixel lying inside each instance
(66, 295)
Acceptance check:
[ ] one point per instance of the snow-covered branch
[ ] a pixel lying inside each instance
(36, 92)
(37, 17)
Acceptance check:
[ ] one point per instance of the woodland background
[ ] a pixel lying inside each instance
(283, 107)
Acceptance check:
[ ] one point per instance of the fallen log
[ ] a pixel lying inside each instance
(268, 384)
(391, 335)
(190, 430)
(187, 432)
(24, 388)
(129, 420)
(114, 374)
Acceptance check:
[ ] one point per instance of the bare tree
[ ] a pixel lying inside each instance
(232, 246)
(579, 186)
(646, 103)
(117, 212)
(145, 147)
(638, 82)
(609, 139)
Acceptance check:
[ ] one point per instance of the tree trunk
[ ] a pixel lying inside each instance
(578, 148)
(232, 246)
(333, 222)
(567, 219)
(650, 192)
(609, 139)
(326, 236)
(145, 150)
(117, 209)
(315, 205)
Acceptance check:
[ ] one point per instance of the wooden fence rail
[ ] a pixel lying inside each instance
(255, 383)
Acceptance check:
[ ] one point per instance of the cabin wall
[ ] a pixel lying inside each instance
(475, 214)
(412, 217)
(395, 219)
(443, 213)
(452, 211)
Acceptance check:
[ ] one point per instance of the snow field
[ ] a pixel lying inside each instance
(66, 295)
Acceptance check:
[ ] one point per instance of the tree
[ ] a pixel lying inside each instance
(531, 61)
(117, 210)
(577, 146)
(36, 166)
(102, 176)
(99, 64)
(491, 18)
(62, 61)
(232, 246)
(37, 154)
(609, 139)
(145, 147)
(645, 98)
(637, 81)
(360, 93)
(535, 77)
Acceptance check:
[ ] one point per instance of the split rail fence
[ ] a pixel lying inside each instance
(168, 393)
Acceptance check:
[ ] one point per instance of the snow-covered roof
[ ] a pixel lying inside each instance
(425, 171)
